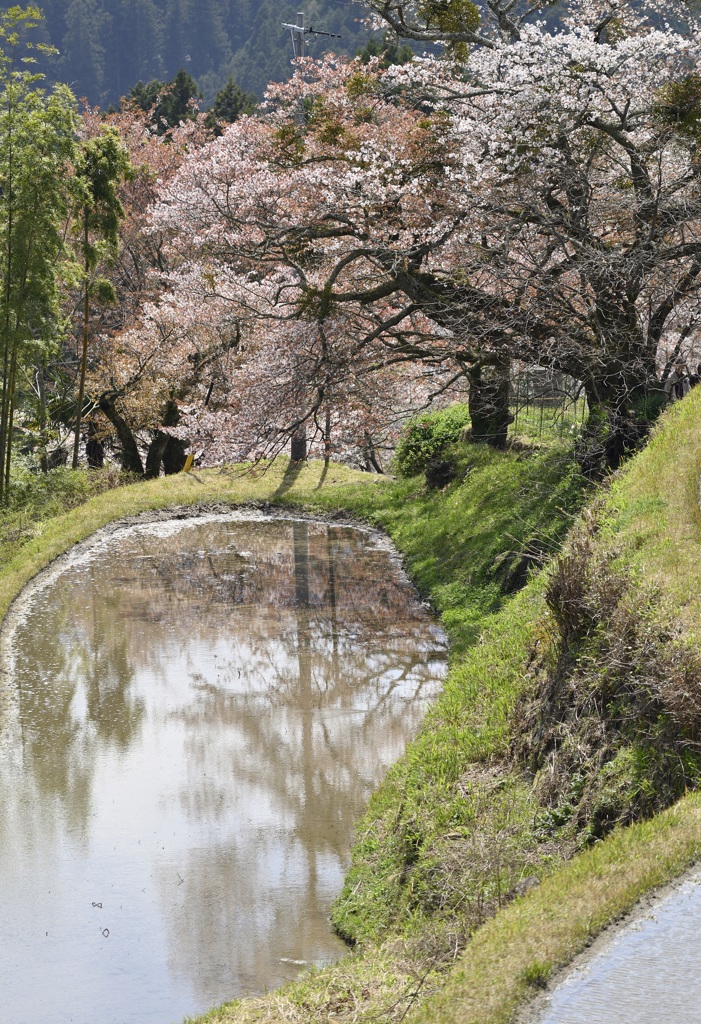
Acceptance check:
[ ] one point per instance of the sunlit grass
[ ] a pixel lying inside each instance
(453, 542)
(543, 931)
(545, 422)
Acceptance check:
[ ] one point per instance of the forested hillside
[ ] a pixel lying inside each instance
(106, 46)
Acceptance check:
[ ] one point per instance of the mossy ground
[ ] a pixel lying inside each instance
(432, 898)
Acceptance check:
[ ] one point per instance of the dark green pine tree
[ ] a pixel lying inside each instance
(196, 37)
(267, 53)
(239, 18)
(102, 163)
(172, 102)
(229, 103)
(389, 51)
(108, 45)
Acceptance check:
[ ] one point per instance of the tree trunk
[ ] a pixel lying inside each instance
(131, 459)
(617, 422)
(154, 455)
(370, 455)
(174, 457)
(165, 450)
(43, 416)
(10, 416)
(488, 402)
(84, 353)
(327, 436)
(4, 408)
(298, 445)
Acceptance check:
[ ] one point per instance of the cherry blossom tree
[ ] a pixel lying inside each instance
(541, 203)
(139, 369)
(460, 25)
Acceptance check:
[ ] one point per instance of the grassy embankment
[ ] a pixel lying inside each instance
(551, 733)
(464, 546)
(558, 751)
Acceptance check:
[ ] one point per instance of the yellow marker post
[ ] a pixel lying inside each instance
(189, 462)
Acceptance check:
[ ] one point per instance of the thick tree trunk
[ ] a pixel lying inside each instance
(154, 456)
(174, 456)
(131, 459)
(166, 451)
(621, 412)
(298, 445)
(488, 402)
(372, 461)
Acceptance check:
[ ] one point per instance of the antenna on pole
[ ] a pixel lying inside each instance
(298, 32)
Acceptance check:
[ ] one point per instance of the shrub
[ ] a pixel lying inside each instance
(428, 437)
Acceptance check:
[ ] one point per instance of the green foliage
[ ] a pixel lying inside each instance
(470, 544)
(169, 103)
(452, 17)
(36, 144)
(84, 43)
(101, 165)
(106, 46)
(576, 712)
(679, 106)
(537, 974)
(389, 51)
(229, 104)
(33, 499)
(428, 437)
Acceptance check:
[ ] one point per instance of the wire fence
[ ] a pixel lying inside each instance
(546, 402)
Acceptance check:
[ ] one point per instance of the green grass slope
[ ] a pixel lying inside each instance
(466, 547)
(553, 781)
(646, 533)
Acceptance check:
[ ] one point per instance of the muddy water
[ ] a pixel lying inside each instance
(192, 715)
(648, 972)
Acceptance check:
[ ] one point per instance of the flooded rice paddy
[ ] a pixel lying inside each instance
(192, 715)
(647, 971)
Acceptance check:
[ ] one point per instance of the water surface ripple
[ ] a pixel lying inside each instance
(648, 973)
(192, 716)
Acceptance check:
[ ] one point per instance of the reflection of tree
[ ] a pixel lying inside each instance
(72, 677)
(107, 673)
(286, 660)
(284, 724)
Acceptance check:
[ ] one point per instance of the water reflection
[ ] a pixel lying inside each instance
(648, 972)
(199, 712)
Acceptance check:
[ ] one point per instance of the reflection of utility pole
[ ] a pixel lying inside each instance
(305, 702)
(298, 32)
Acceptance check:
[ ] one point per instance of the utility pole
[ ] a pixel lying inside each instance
(298, 32)
(298, 441)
